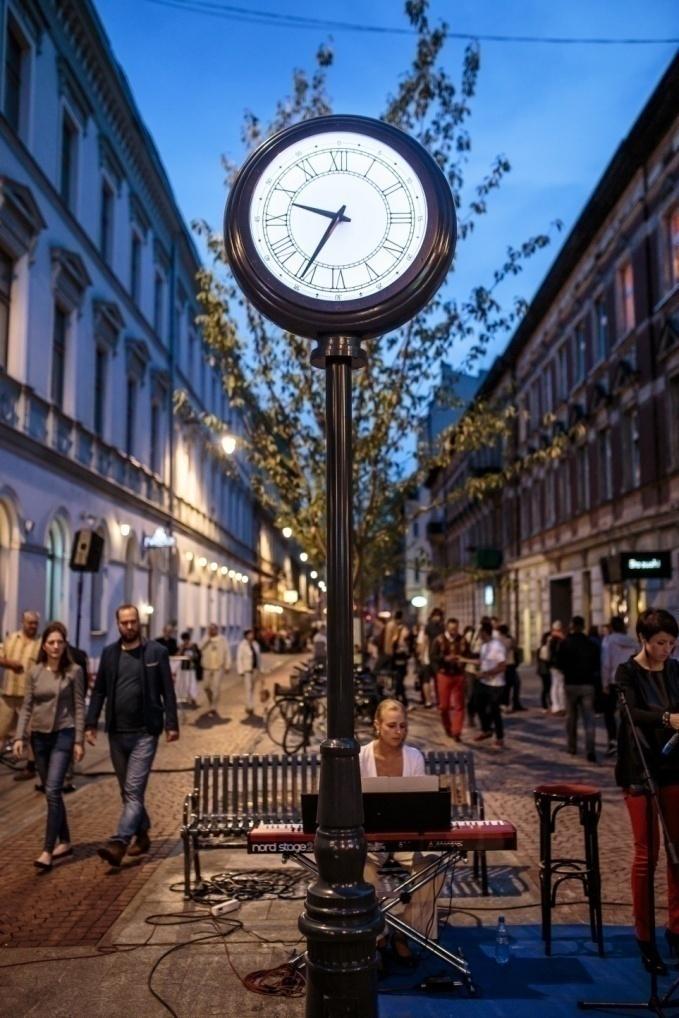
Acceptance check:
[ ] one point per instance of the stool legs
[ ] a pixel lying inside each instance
(587, 870)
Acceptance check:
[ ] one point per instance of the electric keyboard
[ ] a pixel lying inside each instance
(466, 835)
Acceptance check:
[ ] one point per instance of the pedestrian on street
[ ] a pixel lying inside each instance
(434, 628)
(54, 709)
(450, 653)
(248, 663)
(512, 692)
(135, 683)
(216, 658)
(557, 692)
(18, 653)
(168, 640)
(578, 660)
(187, 678)
(492, 664)
(544, 671)
(650, 683)
(616, 648)
(320, 645)
(400, 655)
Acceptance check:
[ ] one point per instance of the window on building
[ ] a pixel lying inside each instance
(106, 221)
(416, 528)
(601, 329)
(100, 372)
(579, 353)
(564, 379)
(97, 597)
(59, 338)
(673, 246)
(191, 365)
(626, 297)
(564, 486)
(605, 458)
(582, 464)
(131, 416)
(536, 515)
(6, 273)
(550, 499)
(55, 571)
(14, 76)
(673, 410)
(69, 156)
(154, 455)
(135, 266)
(631, 461)
(158, 302)
(547, 391)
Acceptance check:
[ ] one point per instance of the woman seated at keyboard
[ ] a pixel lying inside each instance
(388, 756)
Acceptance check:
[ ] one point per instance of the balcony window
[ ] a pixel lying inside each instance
(673, 430)
(106, 210)
(135, 266)
(631, 463)
(601, 328)
(583, 478)
(605, 466)
(564, 380)
(59, 337)
(154, 453)
(6, 273)
(673, 246)
(626, 298)
(580, 353)
(15, 51)
(100, 372)
(158, 302)
(131, 416)
(69, 155)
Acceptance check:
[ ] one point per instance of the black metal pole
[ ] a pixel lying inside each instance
(79, 609)
(341, 919)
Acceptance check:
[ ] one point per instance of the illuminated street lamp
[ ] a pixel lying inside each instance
(419, 601)
(286, 532)
(228, 444)
(313, 574)
(303, 556)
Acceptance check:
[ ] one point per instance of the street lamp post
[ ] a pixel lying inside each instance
(341, 919)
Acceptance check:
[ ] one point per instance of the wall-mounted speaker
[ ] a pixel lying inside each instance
(87, 551)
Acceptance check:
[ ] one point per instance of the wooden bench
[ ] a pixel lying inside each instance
(231, 794)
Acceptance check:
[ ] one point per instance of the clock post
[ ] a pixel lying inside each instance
(340, 228)
(341, 919)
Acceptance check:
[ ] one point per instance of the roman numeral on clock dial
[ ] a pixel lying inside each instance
(284, 248)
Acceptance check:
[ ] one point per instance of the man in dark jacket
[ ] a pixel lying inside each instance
(135, 681)
(578, 658)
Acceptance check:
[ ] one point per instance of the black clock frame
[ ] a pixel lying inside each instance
(368, 316)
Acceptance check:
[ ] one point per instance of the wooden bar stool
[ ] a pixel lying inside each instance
(549, 801)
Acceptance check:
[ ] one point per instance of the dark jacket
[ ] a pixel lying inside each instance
(648, 696)
(157, 688)
(578, 659)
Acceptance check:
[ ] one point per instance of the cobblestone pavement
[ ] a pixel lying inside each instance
(83, 907)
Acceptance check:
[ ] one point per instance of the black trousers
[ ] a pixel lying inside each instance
(489, 700)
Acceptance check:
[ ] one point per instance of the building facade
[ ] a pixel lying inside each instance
(590, 524)
(97, 336)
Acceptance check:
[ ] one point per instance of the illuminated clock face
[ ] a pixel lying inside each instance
(338, 216)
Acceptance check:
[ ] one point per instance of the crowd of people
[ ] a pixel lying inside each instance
(470, 674)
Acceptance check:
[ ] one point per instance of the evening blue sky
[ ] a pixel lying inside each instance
(558, 112)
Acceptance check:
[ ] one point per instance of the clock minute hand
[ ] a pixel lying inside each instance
(321, 212)
(337, 217)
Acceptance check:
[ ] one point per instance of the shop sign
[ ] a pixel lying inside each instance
(160, 538)
(646, 565)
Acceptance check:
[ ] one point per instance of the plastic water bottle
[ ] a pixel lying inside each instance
(501, 942)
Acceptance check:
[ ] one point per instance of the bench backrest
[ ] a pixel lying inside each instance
(269, 787)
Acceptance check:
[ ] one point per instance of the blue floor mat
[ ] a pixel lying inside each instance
(530, 985)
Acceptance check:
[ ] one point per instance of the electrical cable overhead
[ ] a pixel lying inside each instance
(275, 19)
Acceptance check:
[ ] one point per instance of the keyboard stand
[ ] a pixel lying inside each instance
(408, 887)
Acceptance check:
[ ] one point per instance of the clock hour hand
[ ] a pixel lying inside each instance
(337, 217)
(321, 212)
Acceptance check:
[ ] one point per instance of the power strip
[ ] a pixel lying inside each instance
(225, 906)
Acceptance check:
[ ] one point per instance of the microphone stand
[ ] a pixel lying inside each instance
(655, 1004)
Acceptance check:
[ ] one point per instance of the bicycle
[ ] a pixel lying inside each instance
(297, 720)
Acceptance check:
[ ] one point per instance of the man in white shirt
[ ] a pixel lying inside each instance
(492, 664)
(247, 665)
(216, 661)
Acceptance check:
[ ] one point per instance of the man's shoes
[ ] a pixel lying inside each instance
(142, 844)
(519, 707)
(112, 852)
(27, 774)
(499, 744)
(67, 789)
(612, 748)
(591, 757)
(456, 738)
(483, 735)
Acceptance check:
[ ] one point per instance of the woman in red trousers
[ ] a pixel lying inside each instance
(650, 683)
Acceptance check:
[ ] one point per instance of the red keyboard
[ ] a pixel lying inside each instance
(470, 835)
